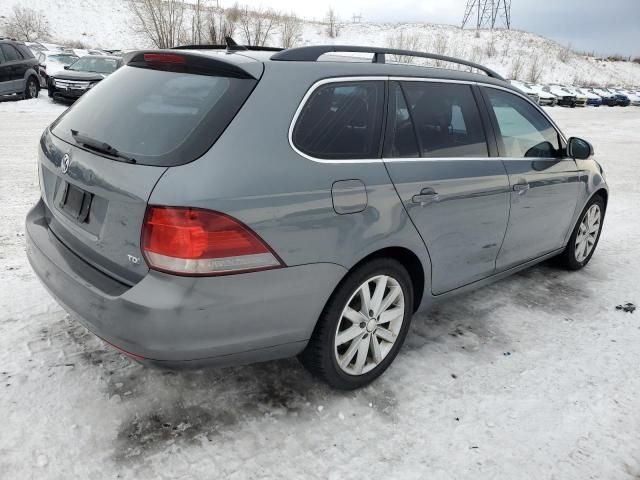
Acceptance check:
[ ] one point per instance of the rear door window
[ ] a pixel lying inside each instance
(446, 120)
(341, 120)
(157, 117)
(524, 131)
(10, 53)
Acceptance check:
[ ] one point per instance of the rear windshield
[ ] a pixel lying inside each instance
(156, 117)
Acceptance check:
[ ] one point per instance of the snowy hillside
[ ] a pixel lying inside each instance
(514, 54)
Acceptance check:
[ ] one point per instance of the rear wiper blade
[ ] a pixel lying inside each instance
(98, 146)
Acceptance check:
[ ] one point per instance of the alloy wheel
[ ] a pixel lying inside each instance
(369, 325)
(33, 89)
(588, 233)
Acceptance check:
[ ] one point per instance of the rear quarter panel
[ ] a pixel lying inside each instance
(253, 174)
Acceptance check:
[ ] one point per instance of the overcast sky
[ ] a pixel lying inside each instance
(603, 26)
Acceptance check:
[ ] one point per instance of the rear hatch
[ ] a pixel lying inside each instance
(100, 161)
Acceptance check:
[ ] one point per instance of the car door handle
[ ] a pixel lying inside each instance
(426, 196)
(521, 188)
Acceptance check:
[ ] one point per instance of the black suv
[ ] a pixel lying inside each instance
(18, 69)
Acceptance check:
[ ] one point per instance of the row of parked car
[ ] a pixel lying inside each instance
(570, 96)
(27, 67)
(67, 73)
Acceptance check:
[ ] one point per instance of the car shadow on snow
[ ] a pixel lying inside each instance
(191, 407)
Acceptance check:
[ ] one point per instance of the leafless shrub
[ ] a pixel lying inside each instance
(490, 49)
(26, 24)
(477, 55)
(198, 34)
(74, 44)
(506, 48)
(291, 29)
(516, 67)
(565, 53)
(535, 70)
(160, 20)
(256, 25)
(222, 23)
(333, 23)
(440, 47)
(404, 41)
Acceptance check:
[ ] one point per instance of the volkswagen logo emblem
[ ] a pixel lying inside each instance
(64, 163)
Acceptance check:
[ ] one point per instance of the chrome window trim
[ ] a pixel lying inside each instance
(362, 78)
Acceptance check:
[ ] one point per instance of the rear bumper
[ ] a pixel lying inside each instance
(186, 321)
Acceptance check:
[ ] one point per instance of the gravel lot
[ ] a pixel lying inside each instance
(535, 376)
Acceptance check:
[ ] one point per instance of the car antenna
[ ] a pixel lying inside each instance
(232, 46)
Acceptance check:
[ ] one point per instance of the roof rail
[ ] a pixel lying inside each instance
(312, 53)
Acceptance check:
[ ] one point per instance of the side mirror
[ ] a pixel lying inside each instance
(579, 149)
(66, 67)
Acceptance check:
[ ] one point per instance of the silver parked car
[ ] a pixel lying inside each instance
(248, 205)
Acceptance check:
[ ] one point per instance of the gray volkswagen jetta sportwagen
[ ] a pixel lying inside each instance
(203, 206)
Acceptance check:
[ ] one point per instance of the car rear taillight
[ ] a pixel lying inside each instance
(164, 58)
(194, 241)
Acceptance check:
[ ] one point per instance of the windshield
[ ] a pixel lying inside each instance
(96, 65)
(156, 117)
(63, 59)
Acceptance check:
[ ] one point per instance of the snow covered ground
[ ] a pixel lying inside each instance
(533, 377)
(512, 53)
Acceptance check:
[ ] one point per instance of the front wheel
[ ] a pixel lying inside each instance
(362, 326)
(585, 236)
(32, 89)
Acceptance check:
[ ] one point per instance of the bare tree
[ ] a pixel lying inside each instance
(535, 70)
(404, 41)
(333, 23)
(564, 53)
(256, 25)
(440, 47)
(490, 49)
(291, 29)
(160, 20)
(27, 24)
(223, 23)
(516, 67)
(198, 22)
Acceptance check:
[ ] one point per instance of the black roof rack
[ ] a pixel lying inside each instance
(312, 53)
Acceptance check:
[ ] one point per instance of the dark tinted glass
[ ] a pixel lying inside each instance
(341, 121)
(156, 117)
(446, 119)
(524, 130)
(402, 138)
(10, 53)
(1, 56)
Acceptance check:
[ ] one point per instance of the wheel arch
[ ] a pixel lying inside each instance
(604, 194)
(409, 260)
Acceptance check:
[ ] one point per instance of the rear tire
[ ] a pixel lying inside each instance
(32, 88)
(584, 238)
(356, 339)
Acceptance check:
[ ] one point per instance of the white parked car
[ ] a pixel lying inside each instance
(545, 97)
(565, 98)
(633, 96)
(524, 88)
(592, 98)
(581, 98)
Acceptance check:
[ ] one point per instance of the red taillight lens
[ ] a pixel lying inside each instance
(164, 58)
(193, 241)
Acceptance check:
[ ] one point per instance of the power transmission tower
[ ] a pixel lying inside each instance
(487, 13)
